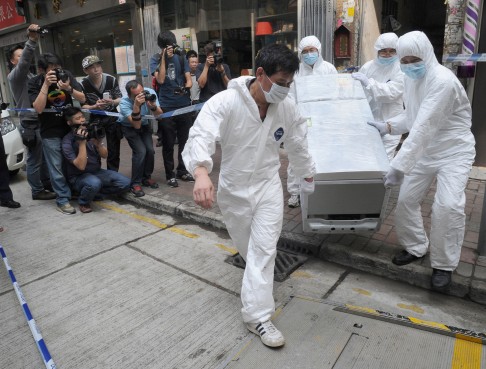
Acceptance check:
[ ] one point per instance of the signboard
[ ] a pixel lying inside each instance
(124, 59)
(8, 15)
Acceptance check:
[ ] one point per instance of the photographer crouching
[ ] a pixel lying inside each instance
(83, 147)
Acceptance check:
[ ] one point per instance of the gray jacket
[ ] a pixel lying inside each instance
(18, 79)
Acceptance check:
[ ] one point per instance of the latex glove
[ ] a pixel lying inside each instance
(362, 78)
(307, 187)
(394, 177)
(380, 126)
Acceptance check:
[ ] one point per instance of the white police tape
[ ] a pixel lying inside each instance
(185, 110)
(451, 58)
(41, 345)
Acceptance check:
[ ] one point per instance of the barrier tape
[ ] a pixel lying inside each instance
(185, 110)
(41, 345)
(450, 58)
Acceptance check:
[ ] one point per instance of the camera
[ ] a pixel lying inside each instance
(149, 96)
(180, 90)
(94, 129)
(61, 75)
(42, 30)
(177, 49)
(218, 59)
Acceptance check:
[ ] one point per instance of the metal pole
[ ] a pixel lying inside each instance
(482, 231)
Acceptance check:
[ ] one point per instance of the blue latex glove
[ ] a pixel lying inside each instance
(380, 126)
(394, 177)
(362, 78)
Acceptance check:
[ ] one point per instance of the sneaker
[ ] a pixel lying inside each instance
(172, 183)
(66, 208)
(85, 208)
(186, 177)
(149, 182)
(294, 201)
(137, 191)
(44, 195)
(268, 333)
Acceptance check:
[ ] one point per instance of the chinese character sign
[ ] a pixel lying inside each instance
(8, 14)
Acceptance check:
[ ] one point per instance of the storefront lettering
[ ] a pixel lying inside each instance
(8, 15)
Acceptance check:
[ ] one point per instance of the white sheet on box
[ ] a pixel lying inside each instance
(342, 144)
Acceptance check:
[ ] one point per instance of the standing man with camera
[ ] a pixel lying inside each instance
(213, 75)
(54, 89)
(171, 70)
(20, 58)
(83, 154)
(138, 132)
(103, 93)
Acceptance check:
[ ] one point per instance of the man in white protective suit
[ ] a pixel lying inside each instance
(440, 146)
(382, 81)
(250, 119)
(311, 63)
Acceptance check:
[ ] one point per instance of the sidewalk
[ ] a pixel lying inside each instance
(370, 253)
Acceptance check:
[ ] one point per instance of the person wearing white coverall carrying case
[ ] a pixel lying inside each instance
(311, 63)
(251, 119)
(382, 81)
(440, 146)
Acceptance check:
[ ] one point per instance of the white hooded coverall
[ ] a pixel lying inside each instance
(440, 145)
(250, 192)
(320, 68)
(385, 89)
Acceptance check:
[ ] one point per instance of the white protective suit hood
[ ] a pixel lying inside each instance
(387, 40)
(417, 44)
(321, 66)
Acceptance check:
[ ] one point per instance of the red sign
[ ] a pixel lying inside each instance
(8, 14)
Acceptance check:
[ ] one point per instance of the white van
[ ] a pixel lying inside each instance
(14, 148)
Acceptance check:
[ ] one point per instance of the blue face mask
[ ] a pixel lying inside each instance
(387, 61)
(414, 70)
(310, 58)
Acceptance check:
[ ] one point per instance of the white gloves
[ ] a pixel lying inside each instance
(362, 78)
(307, 187)
(380, 126)
(394, 177)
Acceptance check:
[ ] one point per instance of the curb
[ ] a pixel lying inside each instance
(350, 256)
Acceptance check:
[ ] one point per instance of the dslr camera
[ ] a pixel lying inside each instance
(177, 49)
(61, 75)
(149, 96)
(94, 129)
(181, 90)
(218, 58)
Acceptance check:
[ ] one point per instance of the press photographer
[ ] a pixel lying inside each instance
(213, 75)
(173, 77)
(83, 150)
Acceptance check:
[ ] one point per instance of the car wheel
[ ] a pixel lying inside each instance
(13, 173)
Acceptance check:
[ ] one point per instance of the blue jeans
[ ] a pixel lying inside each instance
(37, 170)
(104, 181)
(140, 141)
(53, 157)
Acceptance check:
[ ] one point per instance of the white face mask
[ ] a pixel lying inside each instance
(276, 94)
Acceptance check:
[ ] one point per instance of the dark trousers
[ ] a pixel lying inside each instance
(174, 127)
(113, 137)
(140, 140)
(5, 191)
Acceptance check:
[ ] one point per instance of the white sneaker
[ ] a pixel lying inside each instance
(294, 201)
(268, 333)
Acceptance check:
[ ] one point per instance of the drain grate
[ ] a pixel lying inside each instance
(285, 263)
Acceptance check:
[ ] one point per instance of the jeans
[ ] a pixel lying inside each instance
(140, 141)
(37, 170)
(104, 181)
(175, 126)
(51, 148)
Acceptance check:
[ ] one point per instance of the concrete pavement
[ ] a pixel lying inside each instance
(366, 252)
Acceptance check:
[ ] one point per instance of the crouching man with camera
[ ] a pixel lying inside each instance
(171, 70)
(138, 132)
(83, 149)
